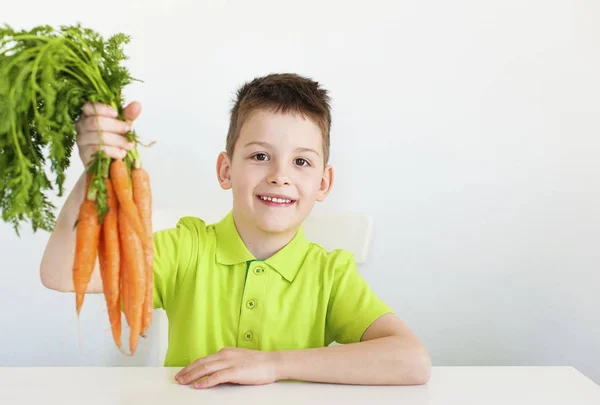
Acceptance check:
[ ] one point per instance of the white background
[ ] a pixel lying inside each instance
(469, 130)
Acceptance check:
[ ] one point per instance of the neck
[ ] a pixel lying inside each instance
(261, 244)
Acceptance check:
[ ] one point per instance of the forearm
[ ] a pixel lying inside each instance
(388, 360)
(57, 261)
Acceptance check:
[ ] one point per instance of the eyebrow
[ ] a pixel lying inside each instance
(267, 145)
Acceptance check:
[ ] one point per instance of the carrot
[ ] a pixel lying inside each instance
(124, 286)
(123, 281)
(110, 257)
(120, 178)
(86, 247)
(142, 196)
(134, 278)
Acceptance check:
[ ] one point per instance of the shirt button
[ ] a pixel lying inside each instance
(248, 336)
(251, 304)
(258, 271)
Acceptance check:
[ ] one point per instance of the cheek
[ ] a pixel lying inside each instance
(312, 184)
(245, 178)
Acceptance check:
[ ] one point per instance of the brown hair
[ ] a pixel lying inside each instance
(283, 92)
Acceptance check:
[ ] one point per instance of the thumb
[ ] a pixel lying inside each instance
(132, 111)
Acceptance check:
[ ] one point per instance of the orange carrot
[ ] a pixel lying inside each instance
(109, 255)
(134, 278)
(119, 175)
(124, 277)
(86, 247)
(142, 196)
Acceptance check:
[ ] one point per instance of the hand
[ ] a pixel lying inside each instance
(111, 129)
(231, 365)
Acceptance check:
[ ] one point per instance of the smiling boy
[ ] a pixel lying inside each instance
(249, 299)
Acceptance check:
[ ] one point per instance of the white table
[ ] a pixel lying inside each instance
(149, 385)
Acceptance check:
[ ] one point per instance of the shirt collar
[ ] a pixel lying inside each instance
(232, 250)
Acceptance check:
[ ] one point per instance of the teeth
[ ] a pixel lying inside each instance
(276, 200)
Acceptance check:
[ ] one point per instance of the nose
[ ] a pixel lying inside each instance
(278, 176)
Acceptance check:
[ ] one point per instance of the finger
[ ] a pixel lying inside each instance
(220, 377)
(115, 153)
(107, 138)
(132, 111)
(201, 360)
(105, 124)
(100, 109)
(202, 370)
(111, 151)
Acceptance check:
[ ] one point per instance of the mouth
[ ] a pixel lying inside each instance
(276, 200)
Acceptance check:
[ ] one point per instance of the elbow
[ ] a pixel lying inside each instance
(57, 287)
(46, 281)
(50, 282)
(422, 367)
(414, 366)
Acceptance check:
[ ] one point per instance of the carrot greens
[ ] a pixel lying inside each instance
(46, 75)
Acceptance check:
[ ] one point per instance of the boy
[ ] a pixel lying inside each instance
(249, 299)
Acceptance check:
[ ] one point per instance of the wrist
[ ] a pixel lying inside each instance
(278, 359)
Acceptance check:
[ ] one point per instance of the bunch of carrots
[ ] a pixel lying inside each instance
(123, 245)
(46, 74)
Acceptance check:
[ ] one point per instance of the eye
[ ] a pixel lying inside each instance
(260, 156)
(301, 162)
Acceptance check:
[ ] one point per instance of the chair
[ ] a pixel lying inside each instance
(350, 231)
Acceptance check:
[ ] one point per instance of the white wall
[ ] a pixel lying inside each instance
(468, 129)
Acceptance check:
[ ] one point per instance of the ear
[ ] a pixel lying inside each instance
(224, 171)
(326, 183)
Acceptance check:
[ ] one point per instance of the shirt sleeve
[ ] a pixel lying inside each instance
(172, 254)
(175, 251)
(353, 305)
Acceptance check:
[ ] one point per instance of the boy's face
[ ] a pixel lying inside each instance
(277, 172)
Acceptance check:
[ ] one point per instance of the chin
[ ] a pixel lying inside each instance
(273, 224)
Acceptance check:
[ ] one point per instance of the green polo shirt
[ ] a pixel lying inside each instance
(216, 294)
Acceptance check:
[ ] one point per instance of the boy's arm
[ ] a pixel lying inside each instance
(377, 347)
(389, 354)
